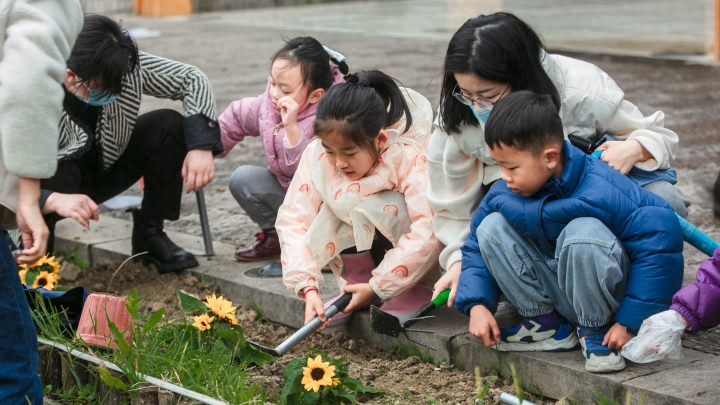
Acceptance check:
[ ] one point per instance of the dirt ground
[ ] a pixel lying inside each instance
(407, 381)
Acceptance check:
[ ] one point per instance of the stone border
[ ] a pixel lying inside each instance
(692, 380)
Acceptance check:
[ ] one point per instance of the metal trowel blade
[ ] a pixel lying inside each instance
(264, 349)
(384, 323)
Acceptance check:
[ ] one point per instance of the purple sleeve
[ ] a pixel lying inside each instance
(239, 120)
(294, 152)
(699, 302)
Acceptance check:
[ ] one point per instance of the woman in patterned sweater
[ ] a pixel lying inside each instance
(105, 147)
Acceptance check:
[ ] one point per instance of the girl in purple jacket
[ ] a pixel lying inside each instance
(283, 117)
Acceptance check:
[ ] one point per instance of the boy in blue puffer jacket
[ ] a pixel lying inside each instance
(568, 240)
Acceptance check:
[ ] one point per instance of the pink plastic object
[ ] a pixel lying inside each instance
(93, 327)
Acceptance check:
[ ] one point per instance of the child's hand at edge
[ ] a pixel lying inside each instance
(448, 280)
(484, 326)
(616, 337)
(362, 295)
(314, 307)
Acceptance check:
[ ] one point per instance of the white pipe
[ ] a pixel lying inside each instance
(510, 399)
(152, 380)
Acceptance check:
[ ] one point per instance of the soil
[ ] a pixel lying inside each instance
(405, 381)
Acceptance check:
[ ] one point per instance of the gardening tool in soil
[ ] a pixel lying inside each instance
(510, 399)
(387, 324)
(332, 310)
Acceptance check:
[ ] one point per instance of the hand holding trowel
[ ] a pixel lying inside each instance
(387, 324)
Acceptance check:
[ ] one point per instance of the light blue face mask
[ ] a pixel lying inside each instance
(97, 100)
(481, 114)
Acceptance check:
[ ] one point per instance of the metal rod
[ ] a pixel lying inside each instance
(152, 380)
(420, 330)
(204, 223)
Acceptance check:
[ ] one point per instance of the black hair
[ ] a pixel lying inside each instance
(498, 47)
(309, 54)
(359, 108)
(525, 121)
(716, 197)
(103, 54)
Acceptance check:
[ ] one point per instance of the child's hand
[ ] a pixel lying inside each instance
(448, 280)
(289, 110)
(314, 307)
(362, 295)
(483, 325)
(616, 337)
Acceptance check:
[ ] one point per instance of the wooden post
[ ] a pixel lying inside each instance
(716, 45)
(158, 8)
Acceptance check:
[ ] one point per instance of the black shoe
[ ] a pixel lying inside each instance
(148, 236)
(273, 269)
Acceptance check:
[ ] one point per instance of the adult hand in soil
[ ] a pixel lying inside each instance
(289, 110)
(448, 280)
(362, 294)
(79, 207)
(616, 337)
(198, 169)
(622, 155)
(33, 231)
(483, 325)
(314, 307)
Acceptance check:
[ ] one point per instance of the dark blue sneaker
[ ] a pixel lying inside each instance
(599, 358)
(531, 336)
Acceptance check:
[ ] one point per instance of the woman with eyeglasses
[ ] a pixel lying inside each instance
(494, 55)
(106, 146)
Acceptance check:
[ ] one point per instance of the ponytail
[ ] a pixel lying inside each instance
(358, 109)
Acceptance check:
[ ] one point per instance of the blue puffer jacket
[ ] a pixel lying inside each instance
(644, 223)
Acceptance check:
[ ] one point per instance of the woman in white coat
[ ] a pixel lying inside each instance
(492, 56)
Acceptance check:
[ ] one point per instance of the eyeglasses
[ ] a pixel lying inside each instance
(482, 102)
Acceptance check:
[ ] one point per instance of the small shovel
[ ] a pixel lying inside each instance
(332, 310)
(387, 324)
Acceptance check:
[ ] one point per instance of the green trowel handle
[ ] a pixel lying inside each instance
(441, 299)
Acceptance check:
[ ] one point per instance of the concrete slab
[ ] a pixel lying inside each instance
(69, 235)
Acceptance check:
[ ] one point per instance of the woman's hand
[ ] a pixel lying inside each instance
(33, 231)
(623, 155)
(484, 326)
(616, 337)
(198, 169)
(314, 307)
(448, 280)
(362, 294)
(79, 207)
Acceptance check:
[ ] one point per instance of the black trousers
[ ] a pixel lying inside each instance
(156, 151)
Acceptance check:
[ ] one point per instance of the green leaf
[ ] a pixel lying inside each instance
(119, 338)
(190, 303)
(311, 397)
(221, 352)
(251, 355)
(357, 385)
(154, 319)
(292, 377)
(30, 276)
(111, 381)
(133, 304)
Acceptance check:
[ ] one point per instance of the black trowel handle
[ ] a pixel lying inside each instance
(337, 306)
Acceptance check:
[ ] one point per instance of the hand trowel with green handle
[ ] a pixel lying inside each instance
(387, 324)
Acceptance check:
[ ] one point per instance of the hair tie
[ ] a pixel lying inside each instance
(334, 55)
(364, 82)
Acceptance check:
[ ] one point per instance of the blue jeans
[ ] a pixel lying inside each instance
(584, 282)
(19, 381)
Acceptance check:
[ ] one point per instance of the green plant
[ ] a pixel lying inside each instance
(500, 366)
(74, 258)
(255, 308)
(321, 380)
(403, 352)
(519, 392)
(603, 400)
(482, 388)
(537, 390)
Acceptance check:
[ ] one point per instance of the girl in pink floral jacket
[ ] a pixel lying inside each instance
(283, 117)
(358, 200)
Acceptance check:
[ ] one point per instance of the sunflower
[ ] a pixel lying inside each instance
(50, 261)
(317, 374)
(335, 382)
(22, 270)
(202, 322)
(231, 319)
(45, 280)
(220, 306)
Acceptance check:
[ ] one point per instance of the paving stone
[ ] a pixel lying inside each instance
(706, 342)
(71, 236)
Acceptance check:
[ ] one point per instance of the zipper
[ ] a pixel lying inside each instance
(277, 129)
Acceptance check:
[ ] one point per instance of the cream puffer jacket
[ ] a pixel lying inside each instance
(592, 105)
(36, 38)
(325, 213)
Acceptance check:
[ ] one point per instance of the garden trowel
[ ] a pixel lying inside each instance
(332, 310)
(387, 324)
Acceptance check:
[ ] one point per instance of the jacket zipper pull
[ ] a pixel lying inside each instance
(277, 129)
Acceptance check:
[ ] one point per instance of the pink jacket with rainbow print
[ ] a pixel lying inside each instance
(256, 116)
(325, 213)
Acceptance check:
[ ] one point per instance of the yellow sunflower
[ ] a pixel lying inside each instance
(50, 261)
(45, 280)
(231, 318)
(317, 374)
(335, 382)
(202, 322)
(220, 306)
